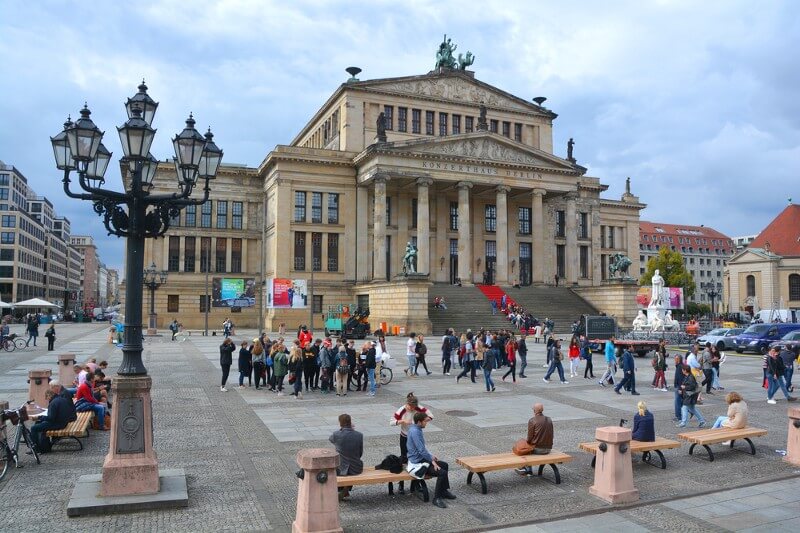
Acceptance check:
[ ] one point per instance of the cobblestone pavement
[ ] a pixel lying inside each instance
(238, 449)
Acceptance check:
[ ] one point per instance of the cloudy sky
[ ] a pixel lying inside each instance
(695, 101)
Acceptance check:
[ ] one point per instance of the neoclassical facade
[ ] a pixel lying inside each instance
(464, 171)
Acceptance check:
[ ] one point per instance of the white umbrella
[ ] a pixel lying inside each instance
(35, 302)
(4, 305)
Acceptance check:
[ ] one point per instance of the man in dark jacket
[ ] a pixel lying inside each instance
(690, 390)
(775, 374)
(60, 412)
(226, 350)
(678, 381)
(350, 447)
(370, 365)
(628, 373)
(522, 350)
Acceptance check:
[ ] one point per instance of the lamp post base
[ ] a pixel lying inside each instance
(152, 324)
(86, 498)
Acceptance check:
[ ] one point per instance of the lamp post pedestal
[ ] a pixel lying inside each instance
(152, 324)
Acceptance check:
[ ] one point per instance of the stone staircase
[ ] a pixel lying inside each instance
(560, 304)
(467, 308)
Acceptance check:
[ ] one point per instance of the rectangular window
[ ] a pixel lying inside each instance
(518, 132)
(221, 258)
(428, 122)
(205, 214)
(173, 303)
(453, 247)
(333, 252)
(388, 116)
(299, 250)
(222, 214)
(456, 124)
(388, 210)
(236, 255)
(416, 119)
(299, 206)
(205, 254)
(467, 124)
(9, 221)
(190, 220)
(506, 129)
(402, 119)
(525, 220)
(560, 260)
(491, 249)
(7, 254)
(333, 208)
(442, 124)
(188, 254)
(316, 251)
(560, 223)
(490, 218)
(493, 125)
(4, 179)
(4, 194)
(610, 230)
(7, 237)
(238, 211)
(583, 225)
(316, 304)
(316, 207)
(454, 216)
(584, 261)
(174, 255)
(204, 299)
(414, 209)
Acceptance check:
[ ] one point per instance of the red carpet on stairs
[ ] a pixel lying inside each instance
(493, 292)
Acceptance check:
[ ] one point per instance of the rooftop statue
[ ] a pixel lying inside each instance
(446, 59)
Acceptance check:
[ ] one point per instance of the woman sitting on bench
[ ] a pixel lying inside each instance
(737, 413)
(644, 426)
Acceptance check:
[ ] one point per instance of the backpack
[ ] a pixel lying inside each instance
(343, 365)
(421, 349)
(392, 463)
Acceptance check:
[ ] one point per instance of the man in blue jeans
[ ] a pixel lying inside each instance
(677, 382)
(418, 455)
(488, 366)
(788, 357)
(555, 363)
(628, 369)
(370, 365)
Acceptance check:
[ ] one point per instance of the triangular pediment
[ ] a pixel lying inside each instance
(453, 86)
(480, 147)
(753, 255)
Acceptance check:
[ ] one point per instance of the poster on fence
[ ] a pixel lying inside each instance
(291, 293)
(671, 297)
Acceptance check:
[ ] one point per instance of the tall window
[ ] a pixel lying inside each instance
(388, 210)
(560, 260)
(456, 124)
(416, 119)
(429, 122)
(402, 119)
(493, 125)
(467, 124)
(316, 304)
(584, 261)
(583, 225)
(238, 210)
(794, 286)
(751, 285)
(518, 132)
(414, 209)
(299, 206)
(525, 220)
(454, 216)
(506, 129)
(188, 254)
(173, 303)
(174, 256)
(205, 254)
(491, 249)
(222, 214)
(333, 207)
(560, 223)
(221, 261)
(299, 250)
(190, 219)
(175, 222)
(610, 233)
(442, 124)
(9, 221)
(205, 214)
(316, 207)
(236, 255)
(388, 116)
(204, 301)
(333, 252)
(453, 247)
(316, 251)
(490, 218)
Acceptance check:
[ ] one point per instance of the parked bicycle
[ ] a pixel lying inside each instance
(10, 453)
(386, 375)
(12, 342)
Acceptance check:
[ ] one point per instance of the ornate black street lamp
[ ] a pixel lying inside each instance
(712, 290)
(153, 279)
(135, 214)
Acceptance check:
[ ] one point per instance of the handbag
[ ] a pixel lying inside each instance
(521, 447)
(292, 378)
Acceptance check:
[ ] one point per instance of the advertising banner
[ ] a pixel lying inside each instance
(672, 297)
(285, 292)
(233, 292)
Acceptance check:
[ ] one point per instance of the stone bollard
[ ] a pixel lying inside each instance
(39, 381)
(317, 495)
(613, 473)
(66, 375)
(793, 440)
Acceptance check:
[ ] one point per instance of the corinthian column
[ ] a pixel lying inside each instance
(379, 229)
(571, 256)
(537, 227)
(501, 277)
(464, 241)
(423, 226)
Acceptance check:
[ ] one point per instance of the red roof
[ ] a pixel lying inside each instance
(782, 234)
(694, 236)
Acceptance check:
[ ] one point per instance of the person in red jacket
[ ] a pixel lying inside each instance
(511, 357)
(85, 401)
(305, 337)
(574, 357)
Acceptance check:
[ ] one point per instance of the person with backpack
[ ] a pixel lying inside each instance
(173, 327)
(51, 337)
(488, 366)
(420, 351)
(447, 351)
(522, 350)
(342, 371)
(586, 355)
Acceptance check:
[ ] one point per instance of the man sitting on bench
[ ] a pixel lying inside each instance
(350, 447)
(540, 436)
(418, 455)
(60, 412)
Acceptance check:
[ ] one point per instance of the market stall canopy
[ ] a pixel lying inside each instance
(4, 305)
(35, 302)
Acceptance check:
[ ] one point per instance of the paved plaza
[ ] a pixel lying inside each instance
(238, 450)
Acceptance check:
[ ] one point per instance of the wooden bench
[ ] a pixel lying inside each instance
(636, 446)
(480, 464)
(372, 476)
(705, 437)
(75, 430)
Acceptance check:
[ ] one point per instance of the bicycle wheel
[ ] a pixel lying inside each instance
(386, 376)
(9, 346)
(5, 458)
(20, 343)
(26, 434)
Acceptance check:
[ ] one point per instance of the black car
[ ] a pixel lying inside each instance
(791, 341)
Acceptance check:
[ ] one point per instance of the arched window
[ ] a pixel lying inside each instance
(751, 285)
(794, 286)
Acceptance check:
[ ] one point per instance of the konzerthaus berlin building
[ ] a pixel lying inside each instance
(476, 196)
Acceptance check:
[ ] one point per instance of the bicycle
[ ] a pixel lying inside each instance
(9, 453)
(8, 344)
(183, 335)
(386, 375)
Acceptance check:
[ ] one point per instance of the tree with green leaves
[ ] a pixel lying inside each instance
(670, 266)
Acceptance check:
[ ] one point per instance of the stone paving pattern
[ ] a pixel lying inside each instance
(238, 449)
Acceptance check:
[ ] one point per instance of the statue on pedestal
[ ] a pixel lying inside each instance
(570, 146)
(619, 263)
(640, 322)
(670, 324)
(657, 283)
(409, 259)
(380, 125)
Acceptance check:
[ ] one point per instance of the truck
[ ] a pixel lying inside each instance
(600, 328)
(347, 320)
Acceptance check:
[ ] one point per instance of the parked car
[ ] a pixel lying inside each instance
(721, 337)
(791, 341)
(758, 337)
